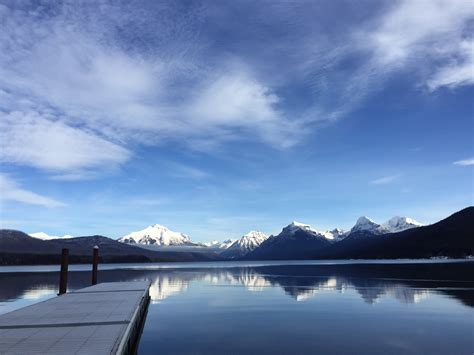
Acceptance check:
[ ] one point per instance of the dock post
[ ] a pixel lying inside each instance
(95, 261)
(63, 273)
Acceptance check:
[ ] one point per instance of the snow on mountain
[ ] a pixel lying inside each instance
(44, 236)
(333, 235)
(366, 226)
(398, 224)
(245, 244)
(162, 236)
(226, 243)
(213, 244)
(156, 235)
(294, 226)
(296, 241)
(336, 234)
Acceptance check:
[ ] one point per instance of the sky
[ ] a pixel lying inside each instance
(214, 118)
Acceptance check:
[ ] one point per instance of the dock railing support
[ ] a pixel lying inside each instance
(63, 273)
(95, 261)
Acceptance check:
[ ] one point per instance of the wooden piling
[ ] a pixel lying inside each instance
(95, 261)
(63, 273)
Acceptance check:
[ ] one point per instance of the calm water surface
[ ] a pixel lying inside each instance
(285, 307)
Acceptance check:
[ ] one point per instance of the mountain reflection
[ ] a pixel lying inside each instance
(301, 282)
(165, 286)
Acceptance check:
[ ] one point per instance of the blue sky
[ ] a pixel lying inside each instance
(217, 117)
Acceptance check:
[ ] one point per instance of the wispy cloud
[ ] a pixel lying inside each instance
(188, 172)
(427, 39)
(41, 141)
(385, 180)
(11, 191)
(465, 162)
(404, 33)
(88, 94)
(65, 87)
(410, 28)
(458, 72)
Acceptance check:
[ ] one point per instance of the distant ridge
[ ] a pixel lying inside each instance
(400, 237)
(451, 237)
(19, 248)
(296, 241)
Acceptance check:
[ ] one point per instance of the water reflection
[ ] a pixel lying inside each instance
(288, 309)
(299, 288)
(165, 286)
(407, 284)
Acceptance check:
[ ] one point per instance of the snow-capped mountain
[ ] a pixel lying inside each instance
(299, 240)
(398, 224)
(213, 244)
(296, 241)
(366, 227)
(218, 246)
(338, 234)
(44, 236)
(245, 244)
(332, 235)
(226, 243)
(156, 235)
(294, 226)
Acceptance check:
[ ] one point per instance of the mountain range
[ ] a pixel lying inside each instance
(399, 237)
(20, 248)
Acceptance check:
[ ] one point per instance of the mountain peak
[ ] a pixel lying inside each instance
(158, 226)
(254, 234)
(246, 244)
(298, 224)
(365, 224)
(294, 226)
(393, 225)
(398, 224)
(364, 220)
(156, 234)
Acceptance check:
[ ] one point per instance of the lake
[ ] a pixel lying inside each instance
(300, 307)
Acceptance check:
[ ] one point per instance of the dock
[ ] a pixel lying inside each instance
(103, 319)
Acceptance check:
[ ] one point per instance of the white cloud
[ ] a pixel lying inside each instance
(238, 100)
(10, 191)
(465, 162)
(411, 28)
(38, 140)
(427, 39)
(385, 180)
(414, 33)
(70, 71)
(457, 73)
(72, 101)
